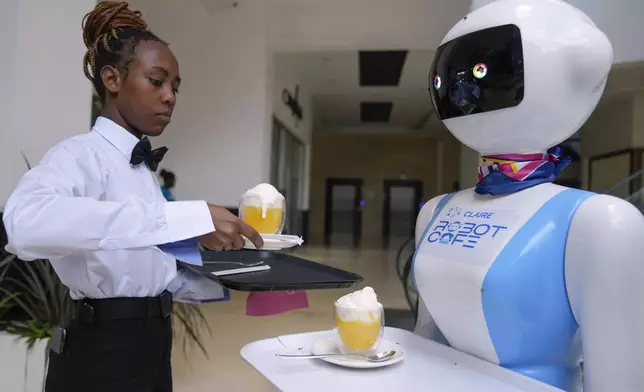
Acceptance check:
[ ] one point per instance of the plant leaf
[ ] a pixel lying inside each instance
(190, 321)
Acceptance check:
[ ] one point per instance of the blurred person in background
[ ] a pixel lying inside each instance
(169, 181)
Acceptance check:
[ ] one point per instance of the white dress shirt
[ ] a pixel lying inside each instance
(99, 220)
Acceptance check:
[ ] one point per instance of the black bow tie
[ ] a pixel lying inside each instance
(143, 152)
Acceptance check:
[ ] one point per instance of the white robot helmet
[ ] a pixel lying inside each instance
(519, 76)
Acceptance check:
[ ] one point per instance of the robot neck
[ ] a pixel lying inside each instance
(509, 173)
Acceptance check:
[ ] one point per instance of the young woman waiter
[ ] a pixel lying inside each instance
(93, 207)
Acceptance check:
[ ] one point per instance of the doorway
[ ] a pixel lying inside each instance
(287, 175)
(343, 212)
(401, 206)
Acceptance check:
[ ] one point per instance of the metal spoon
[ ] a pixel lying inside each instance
(236, 262)
(378, 357)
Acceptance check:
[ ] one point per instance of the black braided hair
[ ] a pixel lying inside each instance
(111, 32)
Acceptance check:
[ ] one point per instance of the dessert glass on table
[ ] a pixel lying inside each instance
(264, 209)
(359, 322)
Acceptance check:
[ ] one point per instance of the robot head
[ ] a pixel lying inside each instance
(519, 76)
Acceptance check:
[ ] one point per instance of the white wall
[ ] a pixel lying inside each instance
(8, 41)
(46, 96)
(219, 138)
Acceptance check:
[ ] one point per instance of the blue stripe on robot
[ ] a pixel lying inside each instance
(525, 300)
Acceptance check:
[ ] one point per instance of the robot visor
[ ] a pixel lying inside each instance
(478, 72)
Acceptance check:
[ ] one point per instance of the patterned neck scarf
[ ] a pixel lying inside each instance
(509, 173)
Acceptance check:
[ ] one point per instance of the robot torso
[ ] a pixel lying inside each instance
(490, 271)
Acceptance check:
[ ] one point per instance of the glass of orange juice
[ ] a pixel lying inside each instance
(358, 330)
(263, 208)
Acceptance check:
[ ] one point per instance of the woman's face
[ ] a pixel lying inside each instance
(146, 96)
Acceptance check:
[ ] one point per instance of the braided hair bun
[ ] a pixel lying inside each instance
(111, 32)
(107, 16)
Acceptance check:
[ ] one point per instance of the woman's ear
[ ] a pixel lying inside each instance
(111, 79)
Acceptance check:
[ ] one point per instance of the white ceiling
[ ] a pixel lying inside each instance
(317, 41)
(332, 79)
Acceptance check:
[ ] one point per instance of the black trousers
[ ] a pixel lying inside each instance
(127, 355)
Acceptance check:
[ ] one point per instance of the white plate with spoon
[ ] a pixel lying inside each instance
(386, 354)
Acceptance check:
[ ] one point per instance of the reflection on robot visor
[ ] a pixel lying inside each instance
(478, 72)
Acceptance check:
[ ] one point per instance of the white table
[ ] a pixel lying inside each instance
(428, 366)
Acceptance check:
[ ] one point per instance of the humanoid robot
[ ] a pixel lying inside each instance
(519, 271)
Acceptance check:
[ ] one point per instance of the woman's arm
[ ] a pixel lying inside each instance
(54, 211)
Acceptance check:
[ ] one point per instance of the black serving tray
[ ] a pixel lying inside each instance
(287, 272)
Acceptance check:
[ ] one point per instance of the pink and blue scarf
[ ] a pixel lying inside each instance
(509, 173)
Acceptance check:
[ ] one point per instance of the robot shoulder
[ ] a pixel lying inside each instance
(604, 247)
(603, 216)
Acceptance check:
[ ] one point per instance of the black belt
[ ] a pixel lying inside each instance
(108, 309)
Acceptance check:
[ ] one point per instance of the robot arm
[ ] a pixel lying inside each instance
(604, 278)
(425, 325)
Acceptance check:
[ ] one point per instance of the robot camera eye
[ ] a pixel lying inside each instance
(437, 82)
(479, 71)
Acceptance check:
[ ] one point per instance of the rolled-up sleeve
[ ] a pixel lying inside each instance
(52, 213)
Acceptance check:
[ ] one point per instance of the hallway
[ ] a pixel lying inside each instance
(225, 370)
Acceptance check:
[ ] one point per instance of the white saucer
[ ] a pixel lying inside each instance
(276, 242)
(328, 346)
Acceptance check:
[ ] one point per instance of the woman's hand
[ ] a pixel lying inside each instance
(229, 230)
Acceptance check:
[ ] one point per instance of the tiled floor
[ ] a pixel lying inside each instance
(225, 370)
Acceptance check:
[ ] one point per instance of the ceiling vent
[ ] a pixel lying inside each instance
(375, 112)
(381, 68)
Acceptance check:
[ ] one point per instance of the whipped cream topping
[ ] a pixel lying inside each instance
(263, 196)
(360, 305)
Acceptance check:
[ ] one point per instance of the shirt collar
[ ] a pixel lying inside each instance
(116, 135)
